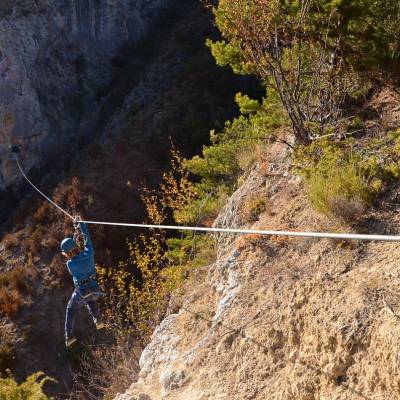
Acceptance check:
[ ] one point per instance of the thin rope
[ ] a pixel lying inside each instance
(350, 236)
(47, 198)
(320, 235)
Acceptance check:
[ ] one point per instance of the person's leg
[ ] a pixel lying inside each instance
(72, 308)
(93, 311)
(90, 295)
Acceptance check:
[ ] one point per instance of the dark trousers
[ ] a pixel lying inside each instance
(74, 304)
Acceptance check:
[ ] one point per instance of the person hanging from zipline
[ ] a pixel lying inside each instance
(81, 266)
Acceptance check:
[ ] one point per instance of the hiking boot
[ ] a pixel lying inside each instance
(70, 341)
(100, 325)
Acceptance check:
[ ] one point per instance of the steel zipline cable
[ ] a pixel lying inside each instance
(321, 235)
(47, 198)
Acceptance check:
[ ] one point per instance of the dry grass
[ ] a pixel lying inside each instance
(107, 370)
(254, 153)
(247, 156)
(347, 210)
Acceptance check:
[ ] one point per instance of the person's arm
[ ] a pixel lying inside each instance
(86, 237)
(87, 241)
(68, 268)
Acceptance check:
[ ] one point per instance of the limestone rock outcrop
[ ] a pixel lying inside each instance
(281, 318)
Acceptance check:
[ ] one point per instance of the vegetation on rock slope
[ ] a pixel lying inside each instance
(320, 63)
(345, 164)
(132, 150)
(312, 53)
(31, 389)
(6, 7)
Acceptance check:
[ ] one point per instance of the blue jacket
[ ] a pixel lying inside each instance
(82, 265)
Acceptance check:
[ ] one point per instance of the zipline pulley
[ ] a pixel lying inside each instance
(15, 152)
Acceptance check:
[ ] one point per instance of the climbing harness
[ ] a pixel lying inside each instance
(89, 289)
(320, 235)
(87, 281)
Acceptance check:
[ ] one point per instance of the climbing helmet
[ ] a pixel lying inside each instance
(67, 245)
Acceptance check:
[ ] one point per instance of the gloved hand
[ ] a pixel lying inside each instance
(76, 222)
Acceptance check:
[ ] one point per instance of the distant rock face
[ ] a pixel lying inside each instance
(54, 56)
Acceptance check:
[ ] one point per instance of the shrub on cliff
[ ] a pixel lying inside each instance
(6, 7)
(15, 287)
(8, 343)
(140, 287)
(343, 192)
(343, 179)
(231, 153)
(31, 389)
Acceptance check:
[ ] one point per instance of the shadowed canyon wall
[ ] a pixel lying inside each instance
(55, 57)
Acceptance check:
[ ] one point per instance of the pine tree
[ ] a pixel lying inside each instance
(309, 50)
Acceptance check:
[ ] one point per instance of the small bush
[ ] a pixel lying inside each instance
(108, 370)
(248, 156)
(206, 207)
(14, 284)
(16, 279)
(10, 301)
(140, 289)
(10, 241)
(29, 245)
(191, 251)
(31, 389)
(343, 194)
(343, 182)
(8, 341)
(254, 207)
(347, 209)
(6, 7)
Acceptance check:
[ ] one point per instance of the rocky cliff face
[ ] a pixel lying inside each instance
(131, 147)
(282, 318)
(55, 56)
